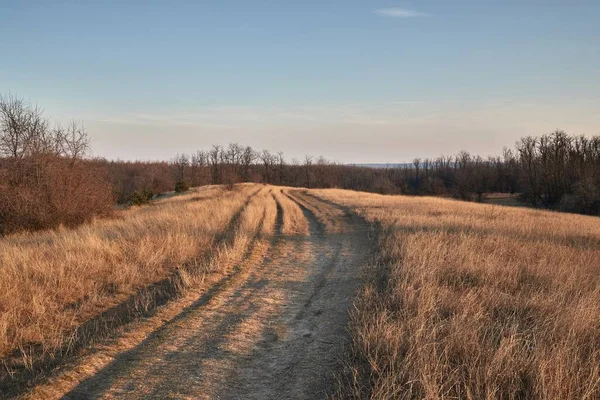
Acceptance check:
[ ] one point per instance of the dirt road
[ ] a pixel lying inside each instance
(275, 330)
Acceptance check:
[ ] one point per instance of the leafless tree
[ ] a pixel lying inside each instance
(268, 161)
(181, 162)
(307, 167)
(74, 141)
(198, 163)
(248, 157)
(280, 166)
(214, 158)
(527, 148)
(417, 165)
(22, 127)
(480, 177)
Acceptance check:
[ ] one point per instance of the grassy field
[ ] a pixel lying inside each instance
(476, 302)
(63, 289)
(54, 282)
(463, 300)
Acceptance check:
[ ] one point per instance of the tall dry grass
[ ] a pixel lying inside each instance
(294, 222)
(54, 281)
(475, 301)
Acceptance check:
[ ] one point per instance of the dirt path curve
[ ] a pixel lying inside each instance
(276, 332)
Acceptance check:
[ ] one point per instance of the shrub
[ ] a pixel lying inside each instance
(383, 185)
(138, 198)
(45, 180)
(181, 186)
(60, 193)
(587, 193)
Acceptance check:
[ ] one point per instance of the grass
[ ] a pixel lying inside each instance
(505, 199)
(475, 301)
(465, 300)
(54, 282)
(294, 222)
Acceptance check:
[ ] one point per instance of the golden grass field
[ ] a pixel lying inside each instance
(475, 301)
(54, 281)
(463, 300)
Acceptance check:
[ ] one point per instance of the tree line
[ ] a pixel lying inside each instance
(556, 171)
(47, 178)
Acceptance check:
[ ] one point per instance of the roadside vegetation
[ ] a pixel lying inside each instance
(61, 288)
(475, 301)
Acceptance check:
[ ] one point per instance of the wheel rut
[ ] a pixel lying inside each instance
(140, 304)
(277, 330)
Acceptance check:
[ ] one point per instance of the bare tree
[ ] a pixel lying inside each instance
(527, 148)
(268, 160)
(480, 176)
(417, 165)
(198, 163)
(233, 160)
(307, 167)
(21, 126)
(320, 171)
(181, 162)
(247, 158)
(214, 158)
(280, 165)
(73, 142)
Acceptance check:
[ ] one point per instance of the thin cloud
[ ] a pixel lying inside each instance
(400, 13)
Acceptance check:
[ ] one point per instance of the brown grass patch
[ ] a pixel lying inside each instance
(475, 301)
(53, 282)
(294, 222)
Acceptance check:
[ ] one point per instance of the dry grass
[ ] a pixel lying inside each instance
(505, 199)
(294, 222)
(466, 300)
(476, 302)
(331, 218)
(52, 282)
(225, 263)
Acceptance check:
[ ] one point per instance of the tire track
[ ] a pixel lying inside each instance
(196, 332)
(302, 365)
(142, 304)
(275, 329)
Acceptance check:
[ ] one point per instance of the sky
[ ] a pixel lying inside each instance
(355, 81)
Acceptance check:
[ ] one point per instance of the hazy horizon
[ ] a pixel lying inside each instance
(354, 81)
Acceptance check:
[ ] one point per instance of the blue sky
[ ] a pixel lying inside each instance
(355, 81)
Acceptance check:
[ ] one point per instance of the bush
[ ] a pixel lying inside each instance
(181, 186)
(138, 198)
(61, 193)
(434, 187)
(587, 193)
(383, 185)
(45, 180)
(127, 177)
